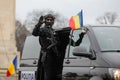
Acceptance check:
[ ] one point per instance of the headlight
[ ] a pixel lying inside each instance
(115, 73)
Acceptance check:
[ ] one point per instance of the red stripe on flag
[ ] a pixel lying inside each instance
(76, 21)
(8, 73)
(12, 67)
(72, 23)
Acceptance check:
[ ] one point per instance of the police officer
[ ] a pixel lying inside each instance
(53, 46)
(52, 49)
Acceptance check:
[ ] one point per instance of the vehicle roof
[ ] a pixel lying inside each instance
(102, 25)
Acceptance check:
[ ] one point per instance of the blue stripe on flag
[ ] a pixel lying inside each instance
(15, 63)
(80, 14)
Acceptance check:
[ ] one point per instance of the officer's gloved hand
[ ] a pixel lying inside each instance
(40, 22)
(84, 31)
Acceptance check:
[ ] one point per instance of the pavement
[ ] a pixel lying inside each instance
(8, 78)
(3, 76)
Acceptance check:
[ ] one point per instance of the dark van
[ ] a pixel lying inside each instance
(96, 58)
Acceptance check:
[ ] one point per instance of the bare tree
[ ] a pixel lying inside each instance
(20, 34)
(33, 17)
(107, 18)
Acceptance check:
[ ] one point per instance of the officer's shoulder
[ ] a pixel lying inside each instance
(63, 30)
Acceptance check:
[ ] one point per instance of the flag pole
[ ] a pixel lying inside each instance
(71, 35)
(73, 23)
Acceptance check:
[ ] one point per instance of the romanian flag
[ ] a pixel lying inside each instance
(76, 21)
(12, 68)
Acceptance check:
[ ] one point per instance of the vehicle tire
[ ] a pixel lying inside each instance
(96, 78)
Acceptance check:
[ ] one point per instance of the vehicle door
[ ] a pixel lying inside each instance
(77, 66)
(29, 58)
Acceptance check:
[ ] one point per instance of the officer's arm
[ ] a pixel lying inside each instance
(36, 30)
(77, 43)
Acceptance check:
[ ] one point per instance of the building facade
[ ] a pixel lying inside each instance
(8, 48)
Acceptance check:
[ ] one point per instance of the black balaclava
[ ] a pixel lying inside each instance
(49, 23)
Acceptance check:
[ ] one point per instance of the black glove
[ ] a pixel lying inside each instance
(81, 35)
(40, 22)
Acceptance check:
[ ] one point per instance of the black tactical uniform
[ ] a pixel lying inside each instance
(52, 50)
(53, 46)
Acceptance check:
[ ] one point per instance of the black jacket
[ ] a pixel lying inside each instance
(61, 37)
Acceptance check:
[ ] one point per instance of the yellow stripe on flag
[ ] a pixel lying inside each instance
(11, 69)
(77, 22)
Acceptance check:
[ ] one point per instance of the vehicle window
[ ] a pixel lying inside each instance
(31, 48)
(108, 37)
(85, 41)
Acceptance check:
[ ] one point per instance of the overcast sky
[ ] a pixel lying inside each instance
(91, 8)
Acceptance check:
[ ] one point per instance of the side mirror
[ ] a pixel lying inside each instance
(81, 51)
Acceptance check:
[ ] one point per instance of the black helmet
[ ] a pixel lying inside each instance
(49, 16)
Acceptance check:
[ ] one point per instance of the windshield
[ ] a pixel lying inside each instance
(108, 38)
(31, 48)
